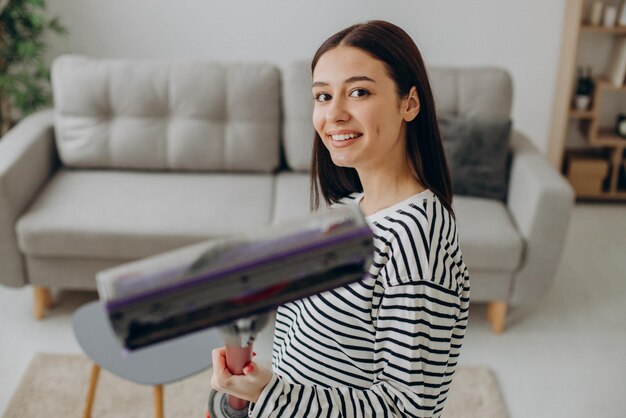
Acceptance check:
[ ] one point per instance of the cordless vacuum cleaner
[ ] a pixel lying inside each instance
(234, 284)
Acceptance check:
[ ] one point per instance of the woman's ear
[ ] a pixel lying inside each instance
(410, 105)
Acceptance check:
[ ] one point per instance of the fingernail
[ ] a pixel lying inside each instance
(254, 353)
(250, 368)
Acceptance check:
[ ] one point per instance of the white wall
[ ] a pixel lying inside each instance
(521, 36)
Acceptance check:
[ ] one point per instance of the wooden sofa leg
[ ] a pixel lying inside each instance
(43, 301)
(496, 314)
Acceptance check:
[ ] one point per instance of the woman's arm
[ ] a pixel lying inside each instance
(419, 329)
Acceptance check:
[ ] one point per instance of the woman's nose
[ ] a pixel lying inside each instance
(337, 111)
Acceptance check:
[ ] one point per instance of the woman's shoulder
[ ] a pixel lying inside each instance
(419, 222)
(409, 215)
(421, 214)
(418, 239)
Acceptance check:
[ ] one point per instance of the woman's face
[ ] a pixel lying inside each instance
(358, 113)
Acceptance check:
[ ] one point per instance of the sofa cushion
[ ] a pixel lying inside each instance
(298, 131)
(476, 150)
(291, 199)
(291, 196)
(166, 115)
(128, 215)
(487, 235)
(473, 93)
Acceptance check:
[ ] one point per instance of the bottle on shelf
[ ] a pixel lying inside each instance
(620, 125)
(596, 13)
(610, 16)
(584, 88)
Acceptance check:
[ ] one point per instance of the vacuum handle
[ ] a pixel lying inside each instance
(236, 359)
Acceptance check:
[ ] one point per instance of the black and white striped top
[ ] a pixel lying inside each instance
(385, 346)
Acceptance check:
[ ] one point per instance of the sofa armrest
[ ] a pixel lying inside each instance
(540, 201)
(27, 159)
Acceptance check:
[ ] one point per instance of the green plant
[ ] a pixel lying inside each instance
(24, 76)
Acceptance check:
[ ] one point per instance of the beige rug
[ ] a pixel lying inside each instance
(55, 385)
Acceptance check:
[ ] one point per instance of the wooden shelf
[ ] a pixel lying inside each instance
(585, 27)
(602, 196)
(568, 150)
(581, 114)
(603, 83)
(608, 138)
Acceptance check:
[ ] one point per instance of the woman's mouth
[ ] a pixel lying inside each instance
(344, 140)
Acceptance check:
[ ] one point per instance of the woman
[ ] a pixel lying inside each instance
(387, 345)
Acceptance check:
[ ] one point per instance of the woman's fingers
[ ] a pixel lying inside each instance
(250, 369)
(221, 374)
(219, 358)
(248, 386)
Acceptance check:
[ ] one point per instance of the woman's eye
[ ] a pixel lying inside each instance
(322, 97)
(359, 93)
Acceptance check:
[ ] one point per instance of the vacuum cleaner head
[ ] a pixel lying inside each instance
(220, 281)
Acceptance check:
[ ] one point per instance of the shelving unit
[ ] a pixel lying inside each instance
(588, 28)
(596, 146)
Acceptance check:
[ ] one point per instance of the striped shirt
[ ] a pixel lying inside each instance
(386, 345)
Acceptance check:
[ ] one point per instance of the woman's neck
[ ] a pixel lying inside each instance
(385, 188)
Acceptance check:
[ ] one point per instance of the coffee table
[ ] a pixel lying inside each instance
(156, 366)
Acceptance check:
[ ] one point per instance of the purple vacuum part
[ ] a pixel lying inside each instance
(236, 278)
(362, 233)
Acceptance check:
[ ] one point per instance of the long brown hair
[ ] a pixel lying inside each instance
(403, 61)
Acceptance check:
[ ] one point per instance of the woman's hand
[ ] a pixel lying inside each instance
(247, 386)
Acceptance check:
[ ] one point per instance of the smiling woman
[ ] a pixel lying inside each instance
(385, 84)
(387, 345)
(361, 122)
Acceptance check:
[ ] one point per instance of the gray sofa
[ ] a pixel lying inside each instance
(141, 157)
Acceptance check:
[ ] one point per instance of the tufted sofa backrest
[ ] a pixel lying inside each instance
(468, 92)
(183, 116)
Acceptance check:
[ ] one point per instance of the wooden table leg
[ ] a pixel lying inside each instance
(158, 401)
(91, 394)
(43, 301)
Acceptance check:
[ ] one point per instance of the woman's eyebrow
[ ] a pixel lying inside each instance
(347, 80)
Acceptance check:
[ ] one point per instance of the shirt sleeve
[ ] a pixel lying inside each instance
(418, 334)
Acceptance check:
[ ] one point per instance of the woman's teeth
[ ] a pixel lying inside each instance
(344, 137)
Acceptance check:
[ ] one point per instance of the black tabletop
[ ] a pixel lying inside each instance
(159, 364)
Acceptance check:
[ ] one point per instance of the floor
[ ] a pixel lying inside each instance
(563, 357)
